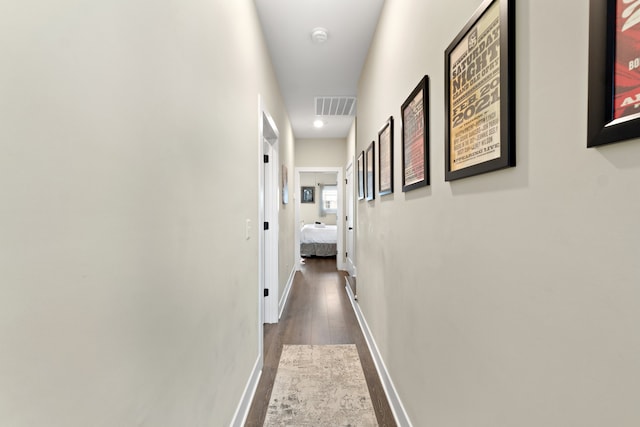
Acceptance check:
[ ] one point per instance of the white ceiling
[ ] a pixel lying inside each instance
(306, 69)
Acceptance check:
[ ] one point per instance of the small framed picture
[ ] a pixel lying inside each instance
(361, 183)
(385, 158)
(371, 171)
(306, 194)
(285, 185)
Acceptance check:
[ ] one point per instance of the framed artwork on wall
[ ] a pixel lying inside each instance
(614, 72)
(370, 167)
(414, 114)
(285, 185)
(307, 194)
(480, 93)
(385, 158)
(361, 183)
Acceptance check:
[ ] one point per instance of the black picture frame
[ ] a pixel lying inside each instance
(370, 169)
(307, 195)
(605, 122)
(480, 93)
(285, 185)
(361, 180)
(385, 158)
(414, 116)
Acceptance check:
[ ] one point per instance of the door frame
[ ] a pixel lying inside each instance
(340, 262)
(350, 260)
(268, 211)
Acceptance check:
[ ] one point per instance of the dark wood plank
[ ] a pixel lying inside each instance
(318, 312)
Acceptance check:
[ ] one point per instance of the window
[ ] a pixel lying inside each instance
(328, 199)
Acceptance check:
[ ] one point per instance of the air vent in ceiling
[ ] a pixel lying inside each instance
(335, 106)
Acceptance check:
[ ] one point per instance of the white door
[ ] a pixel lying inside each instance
(351, 249)
(270, 236)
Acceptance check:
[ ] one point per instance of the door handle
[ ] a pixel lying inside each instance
(350, 228)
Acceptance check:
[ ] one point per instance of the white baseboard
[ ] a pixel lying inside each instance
(242, 411)
(399, 413)
(285, 294)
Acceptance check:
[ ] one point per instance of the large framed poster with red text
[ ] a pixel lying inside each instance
(614, 71)
(480, 93)
(414, 114)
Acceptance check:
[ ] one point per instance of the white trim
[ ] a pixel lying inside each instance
(242, 411)
(285, 293)
(340, 264)
(399, 413)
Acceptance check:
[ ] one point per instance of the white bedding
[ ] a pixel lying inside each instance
(316, 233)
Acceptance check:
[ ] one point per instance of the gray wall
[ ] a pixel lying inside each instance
(128, 165)
(509, 298)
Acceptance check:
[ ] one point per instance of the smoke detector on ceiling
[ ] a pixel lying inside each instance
(319, 35)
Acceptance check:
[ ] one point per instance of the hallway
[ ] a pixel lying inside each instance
(318, 312)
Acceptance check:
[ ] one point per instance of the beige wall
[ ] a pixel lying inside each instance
(320, 152)
(128, 165)
(511, 298)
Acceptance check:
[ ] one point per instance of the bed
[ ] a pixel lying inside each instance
(318, 240)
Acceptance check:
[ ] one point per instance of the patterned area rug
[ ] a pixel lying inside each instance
(320, 385)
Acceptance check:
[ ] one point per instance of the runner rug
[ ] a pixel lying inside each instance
(320, 385)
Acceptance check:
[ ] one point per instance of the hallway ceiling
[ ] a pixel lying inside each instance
(306, 69)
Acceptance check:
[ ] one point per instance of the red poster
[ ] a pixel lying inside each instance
(627, 63)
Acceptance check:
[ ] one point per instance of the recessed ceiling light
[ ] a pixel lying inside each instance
(319, 35)
(317, 123)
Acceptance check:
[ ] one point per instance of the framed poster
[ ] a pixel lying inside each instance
(480, 93)
(307, 194)
(614, 72)
(285, 185)
(415, 137)
(370, 167)
(385, 158)
(361, 183)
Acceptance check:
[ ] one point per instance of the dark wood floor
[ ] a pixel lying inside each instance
(318, 312)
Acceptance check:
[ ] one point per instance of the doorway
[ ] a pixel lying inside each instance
(268, 228)
(322, 176)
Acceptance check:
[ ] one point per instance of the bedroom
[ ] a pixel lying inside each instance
(318, 214)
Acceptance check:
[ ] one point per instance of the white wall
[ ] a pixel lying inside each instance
(128, 165)
(509, 298)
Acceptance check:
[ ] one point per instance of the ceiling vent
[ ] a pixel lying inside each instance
(335, 105)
